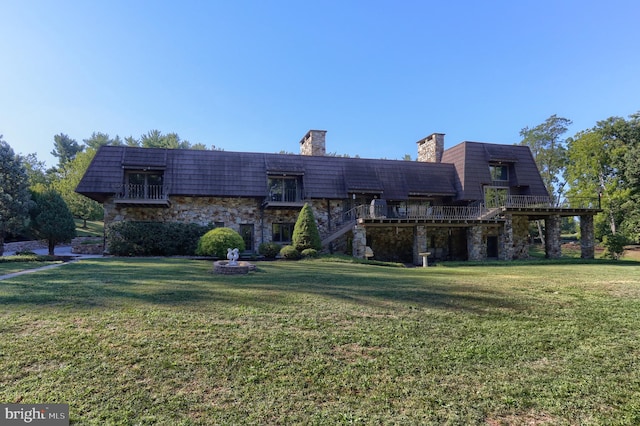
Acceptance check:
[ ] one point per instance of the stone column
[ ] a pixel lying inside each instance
(552, 243)
(419, 243)
(505, 247)
(475, 246)
(587, 237)
(359, 241)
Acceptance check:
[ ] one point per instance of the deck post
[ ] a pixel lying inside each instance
(552, 243)
(587, 237)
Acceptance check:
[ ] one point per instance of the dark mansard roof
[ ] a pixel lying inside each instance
(244, 174)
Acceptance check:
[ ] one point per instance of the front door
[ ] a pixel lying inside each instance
(246, 232)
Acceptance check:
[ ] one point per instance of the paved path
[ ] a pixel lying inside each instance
(59, 251)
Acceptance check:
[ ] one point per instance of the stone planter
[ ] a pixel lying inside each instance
(222, 267)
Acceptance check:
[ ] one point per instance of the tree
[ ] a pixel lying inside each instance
(15, 199)
(305, 231)
(36, 172)
(548, 150)
(51, 219)
(606, 160)
(65, 149)
(590, 172)
(80, 206)
(99, 139)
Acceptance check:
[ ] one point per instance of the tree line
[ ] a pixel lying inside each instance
(602, 162)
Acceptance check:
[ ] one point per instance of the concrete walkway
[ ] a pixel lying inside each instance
(59, 251)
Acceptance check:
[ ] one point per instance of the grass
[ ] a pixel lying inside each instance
(93, 229)
(163, 341)
(12, 264)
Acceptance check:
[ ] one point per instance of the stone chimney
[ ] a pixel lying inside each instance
(430, 149)
(313, 143)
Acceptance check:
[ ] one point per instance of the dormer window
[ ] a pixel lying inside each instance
(284, 189)
(499, 172)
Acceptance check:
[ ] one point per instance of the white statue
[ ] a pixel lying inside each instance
(233, 255)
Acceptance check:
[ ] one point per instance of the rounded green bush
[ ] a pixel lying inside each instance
(217, 241)
(290, 253)
(269, 250)
(309, 252)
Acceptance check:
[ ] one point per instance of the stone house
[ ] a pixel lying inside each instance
(473, 201)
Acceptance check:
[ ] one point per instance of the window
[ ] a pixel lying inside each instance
(495, 196)
(282, 232)
(147, 185)
(286, 189)
(499, 172)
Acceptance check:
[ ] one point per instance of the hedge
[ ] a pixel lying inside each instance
(129, 238)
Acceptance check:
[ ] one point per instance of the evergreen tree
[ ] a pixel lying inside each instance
(305, 231)
(51, 219)
(14, 192)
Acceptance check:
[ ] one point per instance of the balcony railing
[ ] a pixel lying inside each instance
(142, 195)
(142, 192)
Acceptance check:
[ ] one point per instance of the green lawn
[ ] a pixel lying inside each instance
(163, 341)
(93, 229)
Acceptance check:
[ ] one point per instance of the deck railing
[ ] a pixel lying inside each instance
(531, 201)
(418, 211)
(477, 211)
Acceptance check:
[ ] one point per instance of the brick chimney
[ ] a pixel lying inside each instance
(430, 149)
(313, 143)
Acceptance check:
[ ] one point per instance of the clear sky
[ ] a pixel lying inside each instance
(256, 75)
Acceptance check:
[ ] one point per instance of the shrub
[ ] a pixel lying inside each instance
(154, 238)
(269, 250)
(614, 246)
(290, 253)
(305, 231)
(217, 241)
(309, 252)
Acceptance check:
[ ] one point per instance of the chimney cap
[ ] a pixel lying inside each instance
(431, 136)
(308, 134)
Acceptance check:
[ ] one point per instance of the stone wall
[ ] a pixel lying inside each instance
(233, 212)
(391, 244)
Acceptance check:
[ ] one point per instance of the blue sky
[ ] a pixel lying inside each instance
(256, 75)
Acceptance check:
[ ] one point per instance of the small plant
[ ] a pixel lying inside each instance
(25, 253)
(309, 253)
(290, 253)
(269, 250)
(217, 241)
